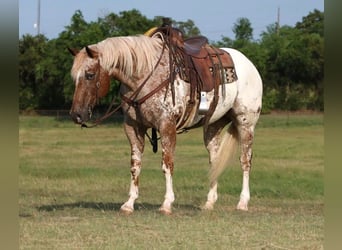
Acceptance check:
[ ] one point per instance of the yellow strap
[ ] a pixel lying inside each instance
(150, 31)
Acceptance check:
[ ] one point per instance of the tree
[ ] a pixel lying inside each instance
(312, 23)
(126, 23)
(188, 28)
(243, 32)
(295, 61)
(312, 27)
(225, 42)
(32, 50)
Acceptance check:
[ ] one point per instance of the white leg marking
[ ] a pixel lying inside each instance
(245, 195)
(169, 195)
(128, 206)
(211, 198)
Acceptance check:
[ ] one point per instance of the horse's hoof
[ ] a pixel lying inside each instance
(126, 210)
(242, 206)
(165, 211)
(208, 206)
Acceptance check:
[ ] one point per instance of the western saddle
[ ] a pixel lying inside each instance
(203, 66)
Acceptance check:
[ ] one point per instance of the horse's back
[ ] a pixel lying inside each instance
(249, 83)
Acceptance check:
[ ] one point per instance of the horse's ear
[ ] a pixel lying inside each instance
(73, 52)
(92, 53)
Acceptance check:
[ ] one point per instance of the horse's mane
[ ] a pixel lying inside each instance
(131, 54)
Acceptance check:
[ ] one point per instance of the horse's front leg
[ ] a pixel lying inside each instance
(167, 132)
(136, 137)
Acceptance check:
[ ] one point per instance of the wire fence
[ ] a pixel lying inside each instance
(63, 114)
(57, 113)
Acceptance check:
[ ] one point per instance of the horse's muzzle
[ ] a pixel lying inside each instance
(78, 118)
(81, 115)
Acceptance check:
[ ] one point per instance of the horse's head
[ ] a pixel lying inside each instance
(91, 83)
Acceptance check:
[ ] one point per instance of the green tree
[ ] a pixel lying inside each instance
(126, 23)
(312, 23)
(243, 32)
(188, 28)
(32, 50)
(295, 64)
(312, 27)
(225, 42)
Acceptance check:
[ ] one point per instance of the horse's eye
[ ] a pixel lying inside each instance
(89, 76)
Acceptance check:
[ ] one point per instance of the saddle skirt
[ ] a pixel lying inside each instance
(207, 66)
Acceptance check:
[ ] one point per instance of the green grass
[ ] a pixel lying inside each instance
(73, 181)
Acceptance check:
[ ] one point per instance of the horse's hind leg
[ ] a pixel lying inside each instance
(245, 125)
(211, 135)
(135, 136)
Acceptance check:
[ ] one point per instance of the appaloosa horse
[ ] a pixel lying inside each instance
(149, 100)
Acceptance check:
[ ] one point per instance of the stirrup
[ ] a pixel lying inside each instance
(204, 106)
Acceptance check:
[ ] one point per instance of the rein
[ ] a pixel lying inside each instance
(136, 103)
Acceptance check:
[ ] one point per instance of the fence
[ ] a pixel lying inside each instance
(63, 114)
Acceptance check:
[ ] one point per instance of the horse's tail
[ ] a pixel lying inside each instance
(227, 149)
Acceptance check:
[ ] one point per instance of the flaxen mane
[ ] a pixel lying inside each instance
(131, 54)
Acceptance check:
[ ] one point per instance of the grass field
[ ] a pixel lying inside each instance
(73, 181)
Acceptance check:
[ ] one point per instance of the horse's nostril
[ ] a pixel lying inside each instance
(76, 117)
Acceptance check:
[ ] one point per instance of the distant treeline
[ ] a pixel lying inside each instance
(289, 59)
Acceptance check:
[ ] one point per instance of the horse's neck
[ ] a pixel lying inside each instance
(149, 78)
(131, 83)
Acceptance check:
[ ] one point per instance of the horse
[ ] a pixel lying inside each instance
(150, 100)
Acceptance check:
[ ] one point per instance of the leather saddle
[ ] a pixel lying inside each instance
(193, 45)
(212, 66)
(202, 65)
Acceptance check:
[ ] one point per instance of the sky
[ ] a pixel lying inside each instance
(214, 18)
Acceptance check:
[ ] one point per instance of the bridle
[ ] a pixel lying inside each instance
(132, 100)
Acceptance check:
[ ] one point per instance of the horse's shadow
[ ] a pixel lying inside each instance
(81, 205)
(109, 206)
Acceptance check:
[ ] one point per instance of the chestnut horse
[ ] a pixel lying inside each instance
(150, 100)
